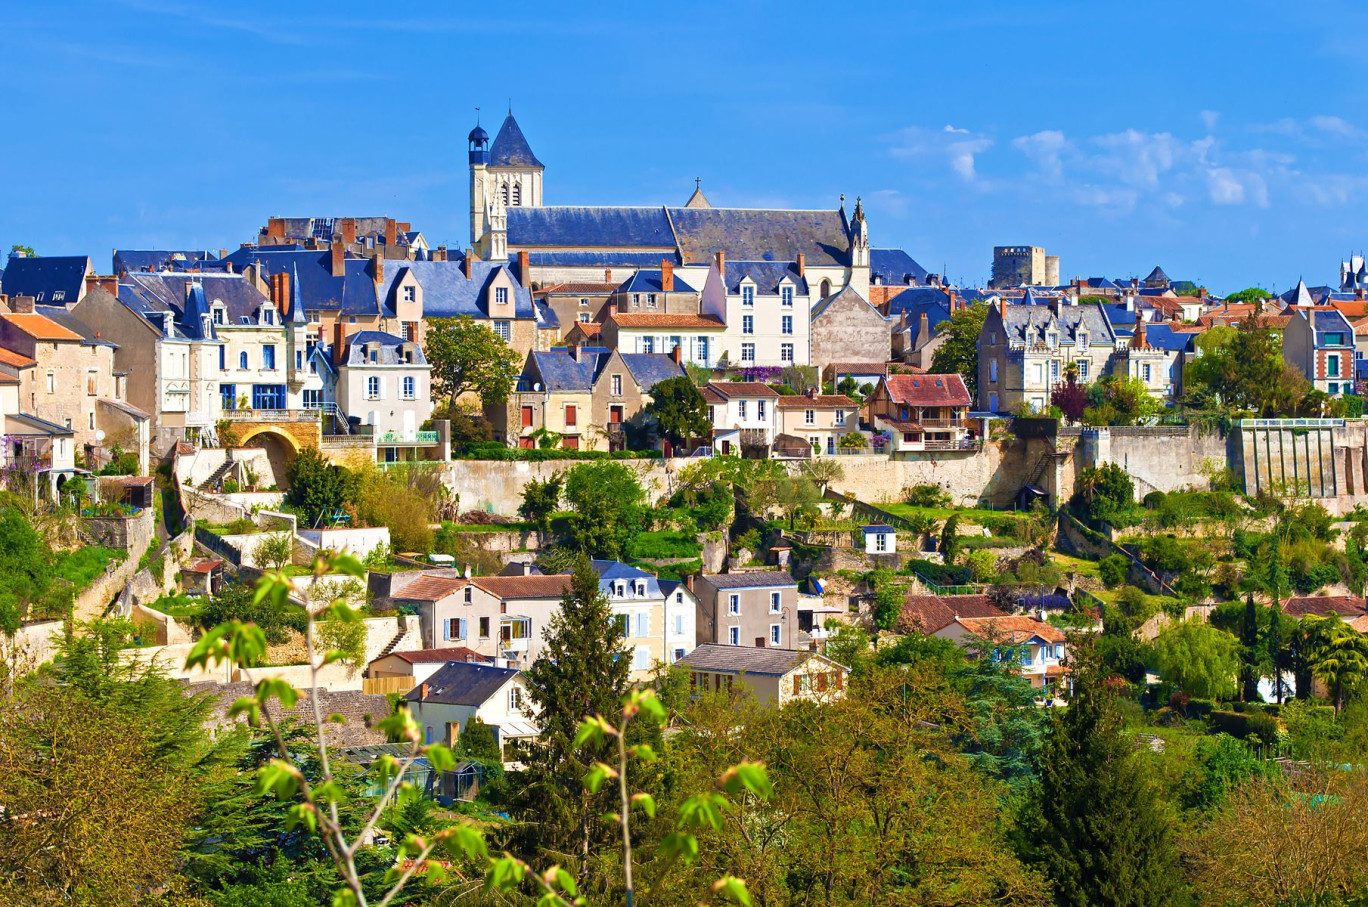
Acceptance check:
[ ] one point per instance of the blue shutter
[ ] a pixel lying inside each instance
(446, 629)
(463, 629)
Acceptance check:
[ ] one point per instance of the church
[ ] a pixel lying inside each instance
(762, 272)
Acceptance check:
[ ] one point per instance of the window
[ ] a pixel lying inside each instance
(268, 396)
(1145, 372)
(785, 352)
(517, 193)
(299, 360)
(647, 344)
(992, 369)
(571, 415)
(650, 300)
(786, 324)
(840, 417)
(678, 654)
(515, 698)
(223, 358)
(313, 399)
(748, 295)
(456, 628)
(218, 315)
(617, 385)
(228, 396)
(92, 379)
(619, 589)
(679, 598)
(527, 417)
(747, 352)
(623, 622)
(733, 604)
(741, 410)
(636, 300)
(760, 410)
(776, 598)
(748, 324)
(410, 294)
(1054, 370)
(584, 317)
(90, 421)
(809, 417)
(643, 624)
(734, 635)
(469, 595)
(1082, 369)
(679, 625)
(880, 542)
(410, 388)
(774, 636)
(1331, 339)
(484, 628)
(373, 388)
(242, 360)
(584, 303)
(786, 296)
(502, 329)
(505, 193)
(268, 316)
(1332, 366)
(51, 383)
(501, 295)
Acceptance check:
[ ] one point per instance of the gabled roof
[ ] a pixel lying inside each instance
(510, 148)
(165, 291)
(746, 660)
(698, 199)
(919, 299)
(1011, 629)
(928, 390)
(15, 360)
(648, 280)
(848, 295)
(429, 588)
(579, 227)
(42, 276)
(649, 369)
(929, 613)
(742, 389)
(666, 320)
(894, 267)
(821, 401)
(763, 579)
(387, 352)
(441, 656)
(1157, 275)
(1029, 324)
(352, 293)
(559, 370)
(462, 683)
(40, 327)
(448, 293)
(160, 259)
(1324, 606)
(577, 288)
(536, 586)
(1164, 337)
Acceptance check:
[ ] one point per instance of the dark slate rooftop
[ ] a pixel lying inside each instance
(448, 293)
(765, 579)
(744, 660)
(1029, 323)
(1332, 320)
(1157, 275)
(1118, 314)
(767, 275)
(388, 349)
(510, 148)
(44, 276)
(145, 293)
(607, 258)
(586, 227)
(649, 369)
(245, 255)
(916, 299)
(762, 235)
(893, 267)
(557, 370)
(159, 259)
(353, 293)
(1163, 337)
(649, 281)
(462, 683)
(1101, 283)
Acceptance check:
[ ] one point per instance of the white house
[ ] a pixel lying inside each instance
(742, 413)
(386, 381)
(880, 539)
(459, 691)
(767, 308)
(1041, 646)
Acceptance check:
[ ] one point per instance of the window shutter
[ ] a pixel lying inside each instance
(839, 679)
(446, 629)
(463, 628)
(797, 686)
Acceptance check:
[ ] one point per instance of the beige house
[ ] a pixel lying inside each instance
(697, 337)
(758, 609)
(1039, 646)
(773, 677)
(459, 692)
(922, 412)
(579, 302)
(820, 419)
(1026, 350)
(766, 307)
(413, 667)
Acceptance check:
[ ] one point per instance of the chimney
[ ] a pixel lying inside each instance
(1358, 293)
(391, 233)
(440, 254)
(951, 294)
(422, 692)
(1201, 292)
(348, 230)
(676, 355)
(283, 303)
(22, 305)
(1138, 340)
(465, 262)
(404, 226)
(338, 257)
(924, 329)
(666, 275)
(607, 275)
(1002, 307)
(524, 268)
(1135, 283)
(802, 264)
(275, 230)
(378, 268)
(223, 253)
(721, 258)
(574, 351)
(339, 342)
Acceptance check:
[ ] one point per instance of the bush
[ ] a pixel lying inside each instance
(927, 495)
(940, 574)
(1113, 569)
(664, 544)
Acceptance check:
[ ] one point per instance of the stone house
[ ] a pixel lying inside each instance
(757, 609)
(819, 419)
(846, 328)
(772, 676)
(657, 619)
(1024, 351)
(655, 291)
(1319, 343)
(744, 415)
(578, 302)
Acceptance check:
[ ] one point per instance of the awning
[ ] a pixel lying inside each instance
(512, 729)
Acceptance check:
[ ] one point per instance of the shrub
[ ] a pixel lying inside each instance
(1113, 569)
(664, 544)
(927, 495)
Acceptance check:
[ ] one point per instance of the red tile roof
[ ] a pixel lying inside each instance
(524, 586)
(742, 389)
(15, 360)
(927, 390)
(929, 613)
(1324, 606)
(803, 401)
(441, 656)
(431, 588)
(40, 327)
(1013, 628)
(578, 288)
(637, 320)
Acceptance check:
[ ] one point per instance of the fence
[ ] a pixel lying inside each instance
(383, 685)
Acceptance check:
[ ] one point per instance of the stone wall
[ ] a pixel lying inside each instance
(132, 533)
(496, 486)
(994, 474)
(34, 644)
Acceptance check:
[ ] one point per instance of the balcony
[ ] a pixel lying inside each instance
(270, 415)
(395, 437)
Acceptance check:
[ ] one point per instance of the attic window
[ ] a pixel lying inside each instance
(501, 295)
(938, 383)
(243, 319)
(58, 295)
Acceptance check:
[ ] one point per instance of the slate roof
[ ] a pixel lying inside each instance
(560, 371)
(145, 293)
(928, 390)
(41, 276)
(929, 613)
(510, 148)
(919, 298)
(448, 293)
(1164, 337)
(1157, 275)
(606, 258)
(649, 369)
(578, 288)
(1328, 319)
(589, 227)
(1028, 324)
(388, 354)
(745, 660)
(462, 683)
(894, 266)
(1117, 314)
(160, 259)
(766, 276)
(765, 579)
(353, 293)
(649, 281)
(742, 389)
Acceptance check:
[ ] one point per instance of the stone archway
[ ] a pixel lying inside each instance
(280, 449)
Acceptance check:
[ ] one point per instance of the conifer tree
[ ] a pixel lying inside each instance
(1249, 640)
(582, 671)
(1094, 823)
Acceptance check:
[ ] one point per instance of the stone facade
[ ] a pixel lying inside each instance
(847, 328)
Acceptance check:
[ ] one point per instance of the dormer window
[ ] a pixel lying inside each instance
(748, 295)
(267, 315)
(220, 314)
(410, 294)
(1082, 338)
(786, 295)
(372, 354)
(1052, 339)
(501, 295)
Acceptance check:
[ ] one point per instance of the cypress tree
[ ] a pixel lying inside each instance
(1249, 640)
(1277, 581)
(1094, 823)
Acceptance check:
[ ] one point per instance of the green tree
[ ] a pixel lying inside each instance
(1095, 824)
(678, 407)
(959, 351)
(27, 250)
(889, 597)
(541, 498)
(318, 488)
(1103, 493)
(1120, 400)
(1242, 368)
(1249, 294)
(609, 508)
(236, 601)
(949, 539)
(477, 742)
(468, 357)
(1113, 570)
(581, 671)
(1337, 656)
(275, 550)
(1201, 659)
(25, 569)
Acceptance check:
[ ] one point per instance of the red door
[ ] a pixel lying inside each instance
(527, 417)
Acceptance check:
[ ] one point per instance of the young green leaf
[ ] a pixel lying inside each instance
(646, 802)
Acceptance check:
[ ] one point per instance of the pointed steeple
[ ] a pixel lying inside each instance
(510, 148)
(1029, 298)
(197, 322)
(297, 315)
(698, 199)
(1301, 296)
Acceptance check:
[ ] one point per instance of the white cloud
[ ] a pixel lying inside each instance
(1138, 158)
(958, 146)
(1225, 188)
(1334, 125)
(1044, 149)
(1209, 119)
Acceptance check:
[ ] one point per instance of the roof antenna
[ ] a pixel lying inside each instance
(477, 116)
(510, 106)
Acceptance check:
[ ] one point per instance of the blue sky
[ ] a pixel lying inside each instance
(1223, 141)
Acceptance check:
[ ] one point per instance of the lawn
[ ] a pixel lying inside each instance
(181, 607)
(1078, 565)
(84, 565)
(663, 544)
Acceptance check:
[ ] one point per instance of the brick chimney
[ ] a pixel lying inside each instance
(349, 230)
(801, 261)
(283, 303)
(404, 226)
(1201, 292)
(677, 354)
(1002, 308)
(223, 253)
(953, 301)
(439, 254)
(924, 328)
(378, 269)
(721, 258)
(1138, 339)
(607, 275)
(275, 229)
(574, 351)
(339, 256)
(666, 275)
(422, 692)
(524, 268)
(22, 305)
(391, 233)
(465, 262)
(339, 342)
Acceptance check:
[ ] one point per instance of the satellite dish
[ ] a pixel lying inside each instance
(536, 386)
(99, 434)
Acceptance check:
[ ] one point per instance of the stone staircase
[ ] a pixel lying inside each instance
(212, 483)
